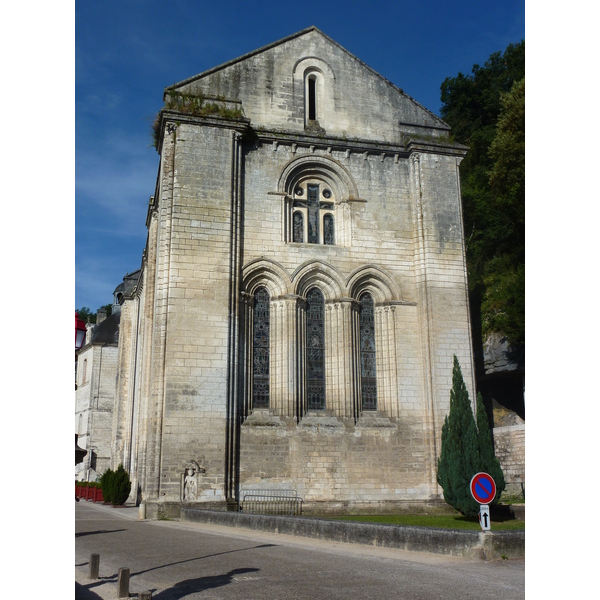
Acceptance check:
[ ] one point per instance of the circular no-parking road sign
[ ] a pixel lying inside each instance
(483, 488)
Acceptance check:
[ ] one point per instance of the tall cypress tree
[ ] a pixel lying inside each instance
(489, 463)
(459, 459)
(467, 449)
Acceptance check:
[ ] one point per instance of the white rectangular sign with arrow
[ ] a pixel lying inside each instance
(484, 517)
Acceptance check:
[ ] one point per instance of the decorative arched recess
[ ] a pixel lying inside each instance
(305, 69)
(328, 174)
(328, 168)
(268, 274)
(376, 281)
(317, 273)
(340, 357)
(387, 296)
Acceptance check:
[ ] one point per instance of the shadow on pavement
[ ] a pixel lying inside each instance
(180, 562)
(83, 533)
(189, 586)
(83, 593)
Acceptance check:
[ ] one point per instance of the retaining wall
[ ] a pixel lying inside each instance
(468, 544)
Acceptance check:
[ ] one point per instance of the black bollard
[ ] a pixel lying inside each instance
(94, 566)
(123, 585)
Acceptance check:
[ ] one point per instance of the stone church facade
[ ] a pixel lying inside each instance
(302, 292)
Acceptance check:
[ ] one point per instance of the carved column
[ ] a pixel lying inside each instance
(386, 365)
(284, 350)
(340, 357)
(300, 358)
(246, 330)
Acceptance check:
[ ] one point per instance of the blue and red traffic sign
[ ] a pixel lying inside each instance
(483, 488)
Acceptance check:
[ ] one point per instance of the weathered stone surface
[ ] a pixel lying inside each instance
(499, 356)
(509, 444)
(230, 216)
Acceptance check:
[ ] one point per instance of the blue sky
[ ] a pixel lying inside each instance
(128, 51)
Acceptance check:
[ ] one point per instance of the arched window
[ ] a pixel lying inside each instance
(368, 380)
(313, 208)
(312, 98)
(84, 371)
(315, 350)
(260, 350)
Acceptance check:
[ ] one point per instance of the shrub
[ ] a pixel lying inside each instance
(121, 486)
(106, 482)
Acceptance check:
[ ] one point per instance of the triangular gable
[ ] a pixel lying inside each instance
(355, 101)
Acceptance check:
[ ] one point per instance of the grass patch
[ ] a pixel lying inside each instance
(434, 521)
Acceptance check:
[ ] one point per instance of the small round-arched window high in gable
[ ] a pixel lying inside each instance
(260, 350)
(368, 374)
(311, 97)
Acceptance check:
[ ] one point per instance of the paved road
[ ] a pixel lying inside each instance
(192, 561)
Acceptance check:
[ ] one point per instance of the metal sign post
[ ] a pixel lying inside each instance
(483, 490)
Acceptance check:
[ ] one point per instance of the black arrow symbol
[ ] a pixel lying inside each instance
(485, 519)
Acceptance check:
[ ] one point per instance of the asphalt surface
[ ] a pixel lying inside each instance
(177, 560)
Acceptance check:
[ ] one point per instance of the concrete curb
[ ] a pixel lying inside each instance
(467, 544)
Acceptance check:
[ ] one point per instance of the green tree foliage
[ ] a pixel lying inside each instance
(107, 308)
(106, 482)
(459, 458)
(487, 114)
(121, 486)
(465, 449)
(86, 315)
(503, 302)
(115, 485)
(90, 317)
(489, 463)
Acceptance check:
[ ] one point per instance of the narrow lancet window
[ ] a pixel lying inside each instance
(328, 236)
(312, 99)
(260, 352)
(298, 227)
(368, 377)
(315, 350)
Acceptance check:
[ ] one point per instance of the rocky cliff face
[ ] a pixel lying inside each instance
(499, 356)
(504, 381)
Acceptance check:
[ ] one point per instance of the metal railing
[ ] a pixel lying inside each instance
(271, 502)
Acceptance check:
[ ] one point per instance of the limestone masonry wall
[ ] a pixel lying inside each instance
(509, 445)
(224, 223)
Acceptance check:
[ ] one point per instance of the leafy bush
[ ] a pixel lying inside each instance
(88, 484)
(121, 486)
(466, 450)
(106, 482)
